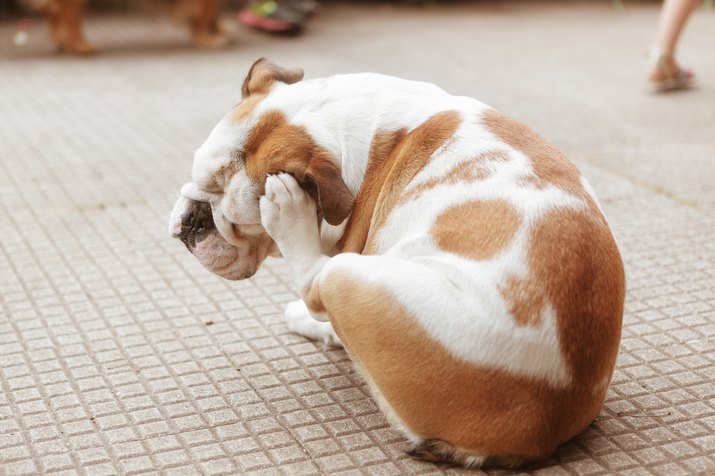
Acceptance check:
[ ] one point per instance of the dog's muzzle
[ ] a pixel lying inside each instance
(197, 223)
(204, 213)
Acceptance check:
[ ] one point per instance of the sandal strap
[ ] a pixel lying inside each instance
(673, 76)
(661, 60)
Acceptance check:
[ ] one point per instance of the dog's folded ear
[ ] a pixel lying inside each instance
(323, 182)
(333, 196)
(264, 73)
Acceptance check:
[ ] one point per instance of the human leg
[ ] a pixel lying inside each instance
(665, 73)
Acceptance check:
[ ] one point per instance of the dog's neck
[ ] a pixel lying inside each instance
(345, 113)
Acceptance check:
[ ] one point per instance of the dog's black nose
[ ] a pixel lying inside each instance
(196, 224)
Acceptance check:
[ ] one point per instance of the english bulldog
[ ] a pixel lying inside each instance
(463, 262)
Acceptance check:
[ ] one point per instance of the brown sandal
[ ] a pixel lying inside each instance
(665, 75)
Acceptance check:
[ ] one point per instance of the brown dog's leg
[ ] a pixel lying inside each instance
(66, 26)
(203, 18)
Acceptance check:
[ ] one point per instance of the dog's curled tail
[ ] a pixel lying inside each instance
(438, 451)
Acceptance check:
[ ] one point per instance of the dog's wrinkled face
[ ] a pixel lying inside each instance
(233, 253)
(218, 215)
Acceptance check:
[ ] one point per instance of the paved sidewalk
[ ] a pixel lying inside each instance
(109, 363)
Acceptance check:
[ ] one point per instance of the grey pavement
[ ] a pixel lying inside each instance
(120, 354)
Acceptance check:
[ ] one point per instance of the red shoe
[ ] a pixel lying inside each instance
(278, 17)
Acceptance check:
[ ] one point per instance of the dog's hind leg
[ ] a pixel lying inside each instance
(377, 305)
(446, 408)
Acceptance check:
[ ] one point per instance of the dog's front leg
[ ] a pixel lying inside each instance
(289, 215)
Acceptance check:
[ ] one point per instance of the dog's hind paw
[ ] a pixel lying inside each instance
(301, 322)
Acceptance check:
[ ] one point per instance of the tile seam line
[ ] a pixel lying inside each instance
(650, 187)
(116, 338)
(45, 397)
(277, 417)
(317, 381)
(342, 407)
(217, 346)
(144, 381)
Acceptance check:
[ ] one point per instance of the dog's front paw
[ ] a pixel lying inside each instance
(289, 216)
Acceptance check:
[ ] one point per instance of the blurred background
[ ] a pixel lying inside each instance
(120, 354)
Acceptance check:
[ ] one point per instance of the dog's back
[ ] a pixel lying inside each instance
(495, 324)
(463, 262)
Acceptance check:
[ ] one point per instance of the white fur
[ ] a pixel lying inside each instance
(175, 216)
(300, 321)
(455, 299)
(376, 102)
(459, 302)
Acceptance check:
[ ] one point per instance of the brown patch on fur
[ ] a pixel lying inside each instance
(243, 111)
(264, 73)
(587, 292)
(471, 170)
(575, 258)
(273, 145)
(477, 230)
(395, 158)
(378, 166)
(268, 122)
(549, 164)
(525, 298)
(483, 411)
(407, 160)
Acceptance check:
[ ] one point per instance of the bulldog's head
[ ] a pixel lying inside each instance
(217, 215)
